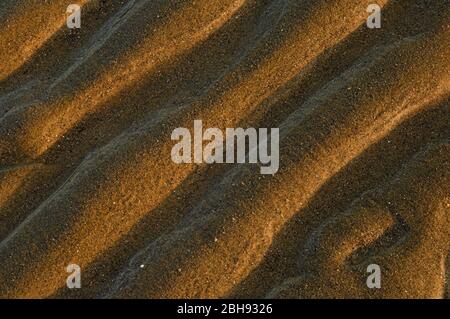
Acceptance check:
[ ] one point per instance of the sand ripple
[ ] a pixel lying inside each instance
(86, 175)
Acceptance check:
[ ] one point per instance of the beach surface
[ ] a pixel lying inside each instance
(87, 178)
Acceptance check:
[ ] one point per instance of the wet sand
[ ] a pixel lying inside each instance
(86, 175)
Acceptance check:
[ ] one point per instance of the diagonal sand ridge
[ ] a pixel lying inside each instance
(86, 175)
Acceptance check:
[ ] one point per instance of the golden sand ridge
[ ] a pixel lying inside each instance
(86, 175)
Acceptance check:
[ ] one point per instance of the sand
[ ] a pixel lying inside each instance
(86, 175)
